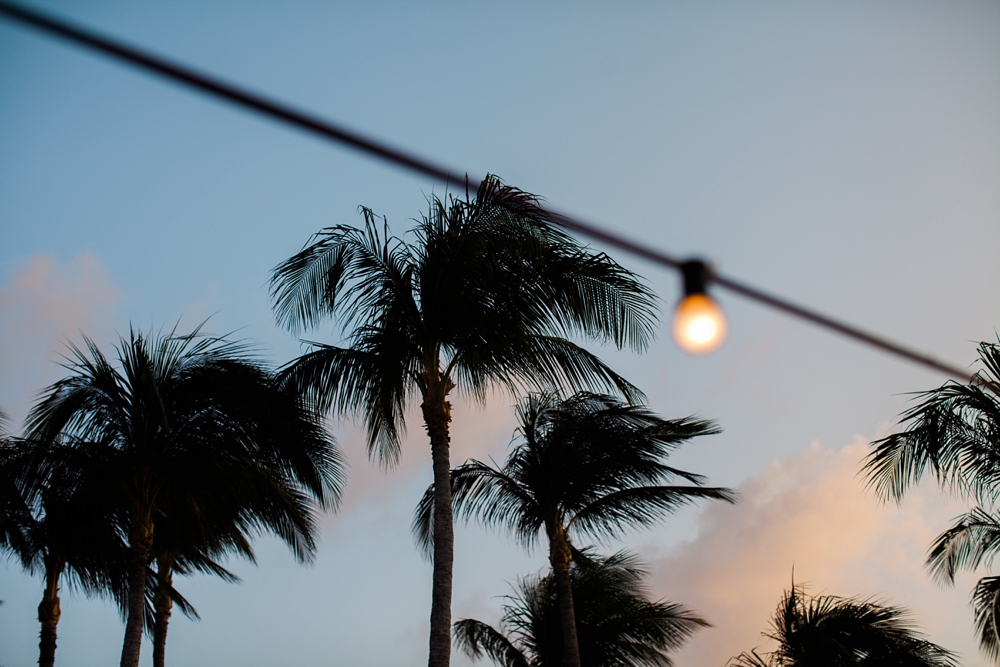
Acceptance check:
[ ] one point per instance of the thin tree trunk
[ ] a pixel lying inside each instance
(140, 544)
(162, 603)
(48, 612)
(437, 416)
(560, 557)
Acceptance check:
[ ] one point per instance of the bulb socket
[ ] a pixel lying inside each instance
(697, 274)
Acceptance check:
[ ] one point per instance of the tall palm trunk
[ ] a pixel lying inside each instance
(162, 604)
(560, 556)
(48, 611)
(140, 544)
(437, 417)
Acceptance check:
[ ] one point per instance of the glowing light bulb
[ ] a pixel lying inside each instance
(699, 324)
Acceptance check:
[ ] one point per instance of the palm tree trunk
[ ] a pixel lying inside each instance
(162, 603)
(560, 556)
(437, 417)
(140, 544)
(48, 612)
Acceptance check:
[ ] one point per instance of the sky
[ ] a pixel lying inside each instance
(845, 155)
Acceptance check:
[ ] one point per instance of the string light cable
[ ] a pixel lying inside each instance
(697, 275)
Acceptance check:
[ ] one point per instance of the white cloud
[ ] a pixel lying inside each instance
(811, 512)
(45, 304)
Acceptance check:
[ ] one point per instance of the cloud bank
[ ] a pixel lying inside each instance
(45, 304)
(811, 512)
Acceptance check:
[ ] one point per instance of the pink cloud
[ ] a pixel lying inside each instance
(45, 304)
(811, 512)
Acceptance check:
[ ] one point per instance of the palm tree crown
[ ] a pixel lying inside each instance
(831, 631)
(954, 433)
(191, 429)
(483, 296)
(619, 625)
(589, 465)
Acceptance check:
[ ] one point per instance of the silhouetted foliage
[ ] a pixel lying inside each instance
(954, 434)
(619, 626)
(830, 631)
(14, 512)
(484, 296)
(57, 521)
(191, 434)
(589, 465)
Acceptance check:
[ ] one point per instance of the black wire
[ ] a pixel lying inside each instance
(305, 121)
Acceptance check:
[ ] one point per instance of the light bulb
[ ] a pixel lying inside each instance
(699, 324)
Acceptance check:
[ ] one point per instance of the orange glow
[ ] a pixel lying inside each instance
(699, 325)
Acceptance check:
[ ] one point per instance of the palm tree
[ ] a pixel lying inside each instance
(191, 535)
(74, 533)
(587, 465)
(481, 298)
(180, 547)
(954, 433)
(57, 524)
(190, 426)
(619, 625)
(830, 631)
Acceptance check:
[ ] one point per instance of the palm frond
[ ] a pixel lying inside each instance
(544, 362)
(477, 639)
(609, 515)
(155, 584)
(952, 432)
(752, 659)
(973, 538)
(481, 492)
(342, 272)
(986, 605)
(372, 380)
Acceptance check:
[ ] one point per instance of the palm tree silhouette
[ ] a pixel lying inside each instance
(191, 427)
(56, 523)
(954, 434)
(830, 631)
(619, 625)
(482, 298)
(181, 547)
(587, 465)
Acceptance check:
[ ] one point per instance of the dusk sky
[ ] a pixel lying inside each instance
(845, 155)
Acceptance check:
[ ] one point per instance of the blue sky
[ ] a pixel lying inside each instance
(845, 155)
